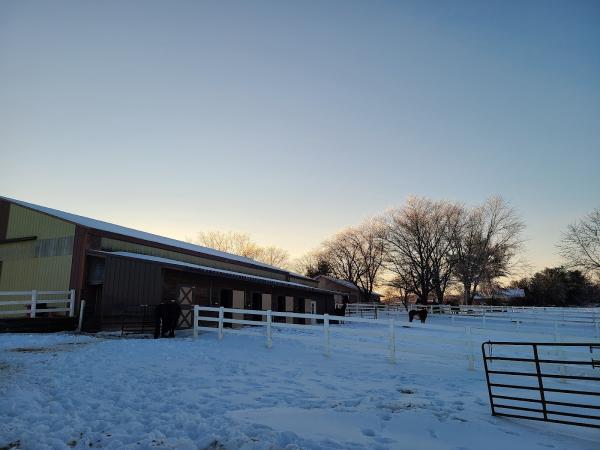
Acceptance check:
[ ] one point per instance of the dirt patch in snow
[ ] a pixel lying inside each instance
(57, 348)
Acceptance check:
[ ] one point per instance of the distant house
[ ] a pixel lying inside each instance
(344, 287)
(507, 295)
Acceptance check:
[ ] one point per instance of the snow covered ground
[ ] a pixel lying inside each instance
(65, 391)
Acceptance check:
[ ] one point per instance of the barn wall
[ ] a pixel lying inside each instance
(128, 282)
(43, 263)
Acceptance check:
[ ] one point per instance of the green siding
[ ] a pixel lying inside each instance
(44, 274)
(114, 245)
(21, 268)
(23, 222)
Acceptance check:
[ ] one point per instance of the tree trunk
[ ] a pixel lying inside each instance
(467, 294)
(439, 294)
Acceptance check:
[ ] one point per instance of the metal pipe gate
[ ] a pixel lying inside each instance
(548, 392)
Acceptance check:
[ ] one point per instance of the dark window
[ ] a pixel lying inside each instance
(54, 247)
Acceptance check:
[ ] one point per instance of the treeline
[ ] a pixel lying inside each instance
(558, 286)
(424, 248)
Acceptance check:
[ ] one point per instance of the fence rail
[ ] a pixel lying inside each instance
(554, 403)
(515, 315)
(388, 336)
(37, 302)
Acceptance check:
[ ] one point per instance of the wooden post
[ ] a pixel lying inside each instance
(221, 316)
(326, 333)
(72, 303)
(81, 312)
(392, 342)
(269, 330)
(471, 356)
(196, 310)
(33, 304)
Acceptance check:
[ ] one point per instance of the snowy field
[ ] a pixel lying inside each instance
(65, 391)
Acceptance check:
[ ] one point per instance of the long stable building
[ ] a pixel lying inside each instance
(115, 268)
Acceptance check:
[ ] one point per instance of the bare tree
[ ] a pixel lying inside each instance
(343, 256)
(446, 225)
(242, 244)
(356, 255)
(312, 264)
(580, 244)
(487, 245)
(229, 241)
(274, 256)
(403, 287)
(369, 239)
(417, 245)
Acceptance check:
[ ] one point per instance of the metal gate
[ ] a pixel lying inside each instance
(551, 382)
(138, 319)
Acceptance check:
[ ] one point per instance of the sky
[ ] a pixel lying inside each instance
(292, 120)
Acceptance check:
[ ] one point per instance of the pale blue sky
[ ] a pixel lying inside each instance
(290, 120)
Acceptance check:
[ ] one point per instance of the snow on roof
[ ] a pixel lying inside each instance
(211, 269)
(513, 292)
(508, 293)
(130, 232)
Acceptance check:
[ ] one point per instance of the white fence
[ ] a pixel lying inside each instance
(388, 336)
(515, 314)
(32, 303)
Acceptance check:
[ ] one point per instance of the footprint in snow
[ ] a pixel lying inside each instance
(386, 416)
(433, 434)
(368, 432)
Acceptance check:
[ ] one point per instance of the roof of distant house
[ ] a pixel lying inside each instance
(509, 293)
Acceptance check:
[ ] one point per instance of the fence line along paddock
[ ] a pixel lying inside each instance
(590, 318)
(382, 335)
(37, 302)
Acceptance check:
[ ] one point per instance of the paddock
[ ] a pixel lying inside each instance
(77, 390)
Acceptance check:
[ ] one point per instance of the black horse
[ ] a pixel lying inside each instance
(422, 314)
(166, 318)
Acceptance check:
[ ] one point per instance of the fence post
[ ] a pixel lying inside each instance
(33, 304)
(483, 318)
(72, 303)
(196, 310)
(221, 317)
(269, 335)
(392, 341)
(326, 332)
(81, 312)
(471, 356)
